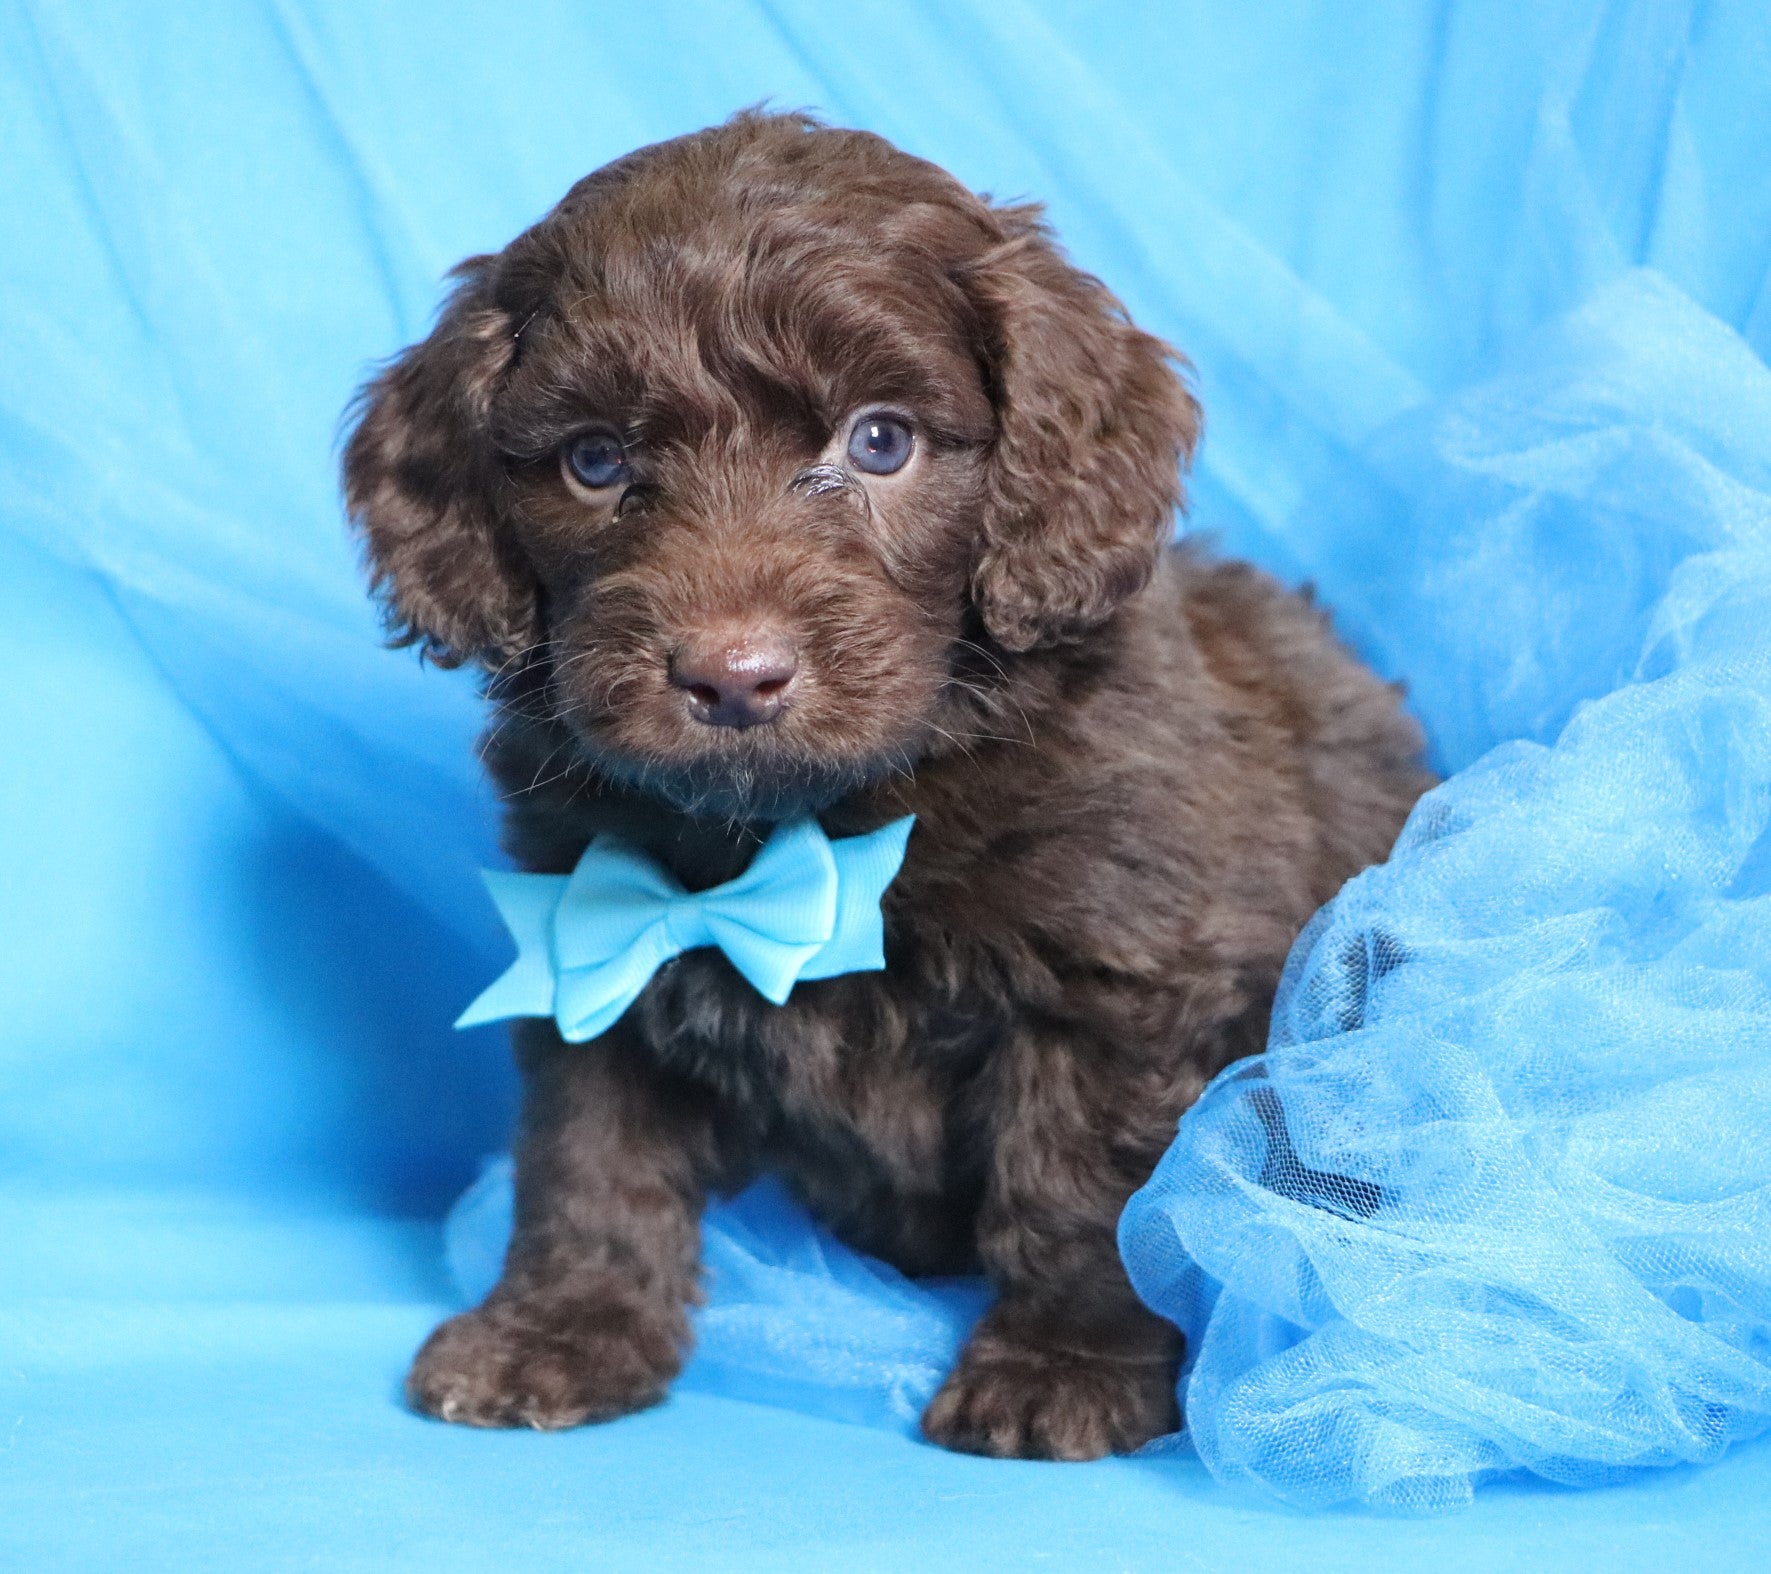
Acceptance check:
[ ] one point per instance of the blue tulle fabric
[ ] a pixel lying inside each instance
(1479, 304)
(1498, 1196)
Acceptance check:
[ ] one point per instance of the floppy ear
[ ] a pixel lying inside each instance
(1093, 426)
(424, 486)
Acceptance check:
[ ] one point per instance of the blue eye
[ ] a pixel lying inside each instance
(597, 460)
(879, 444)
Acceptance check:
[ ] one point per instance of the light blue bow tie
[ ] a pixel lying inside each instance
(588, 942)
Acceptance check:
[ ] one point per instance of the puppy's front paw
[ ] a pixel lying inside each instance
(1016, 1401)
(512, 1364)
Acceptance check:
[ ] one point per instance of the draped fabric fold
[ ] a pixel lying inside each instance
(1499, 1194)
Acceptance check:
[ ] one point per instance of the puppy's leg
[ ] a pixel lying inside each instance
(1068, 1363)
(590, 1319)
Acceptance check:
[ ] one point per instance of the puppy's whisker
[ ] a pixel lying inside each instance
(989, 655)
(536, 783)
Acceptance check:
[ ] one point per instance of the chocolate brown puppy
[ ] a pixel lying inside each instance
(774, 474)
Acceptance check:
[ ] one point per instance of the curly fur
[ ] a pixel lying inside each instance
(1136, 771)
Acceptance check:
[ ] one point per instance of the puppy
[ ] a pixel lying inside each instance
(774, 474)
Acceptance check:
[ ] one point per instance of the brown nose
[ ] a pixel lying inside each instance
(735, 680)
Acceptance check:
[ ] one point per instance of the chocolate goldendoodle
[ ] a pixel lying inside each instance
(775, 474)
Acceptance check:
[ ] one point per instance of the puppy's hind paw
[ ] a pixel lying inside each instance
(508, 1365)
(1027, 1403)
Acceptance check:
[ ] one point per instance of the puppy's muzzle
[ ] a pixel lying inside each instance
(736, 678)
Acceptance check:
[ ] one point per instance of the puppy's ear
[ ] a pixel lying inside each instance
(1093, 427)
(424, 486)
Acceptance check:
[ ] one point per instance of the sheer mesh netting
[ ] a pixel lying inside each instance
(1499, 1194)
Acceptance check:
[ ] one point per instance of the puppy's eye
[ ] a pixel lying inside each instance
(880, 444)
(596, 460)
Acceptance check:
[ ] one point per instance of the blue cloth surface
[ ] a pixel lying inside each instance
(1499, 1194)
(1478, 298)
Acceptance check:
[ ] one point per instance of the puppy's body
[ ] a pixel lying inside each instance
(1126, 869)
(1135, 773)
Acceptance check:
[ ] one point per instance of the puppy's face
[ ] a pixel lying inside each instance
(759, 456)
(746, 471)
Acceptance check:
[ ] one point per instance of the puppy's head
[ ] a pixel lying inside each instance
(753, 448)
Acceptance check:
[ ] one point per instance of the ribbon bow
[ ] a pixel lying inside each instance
(589, 942)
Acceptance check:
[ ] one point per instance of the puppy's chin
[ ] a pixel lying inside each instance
(753, 788)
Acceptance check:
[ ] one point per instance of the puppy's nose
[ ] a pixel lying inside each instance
(740, 680)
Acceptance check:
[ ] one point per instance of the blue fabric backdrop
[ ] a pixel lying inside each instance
(1478, 297)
